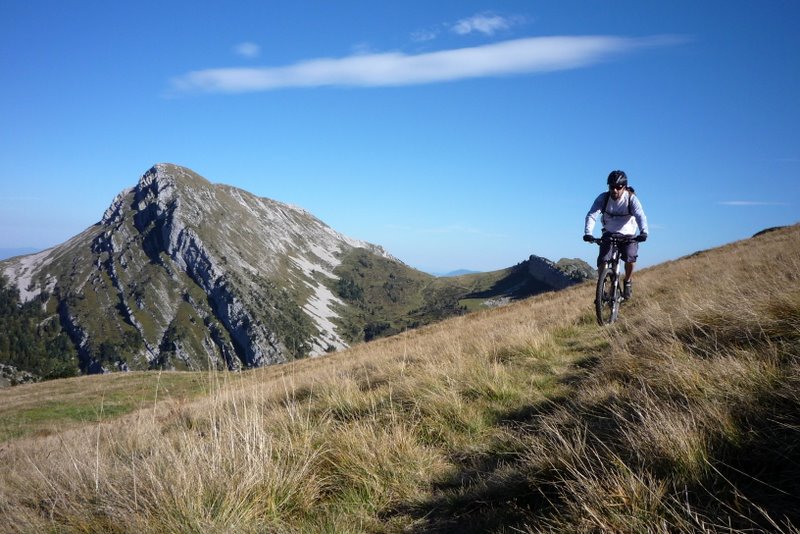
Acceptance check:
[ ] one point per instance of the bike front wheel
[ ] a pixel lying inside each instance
(606, 302)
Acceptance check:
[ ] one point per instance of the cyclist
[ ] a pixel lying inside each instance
(622, 214)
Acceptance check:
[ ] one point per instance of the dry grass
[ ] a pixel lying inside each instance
(683, 417)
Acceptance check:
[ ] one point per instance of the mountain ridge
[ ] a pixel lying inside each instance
(183, 273)
(682, 417)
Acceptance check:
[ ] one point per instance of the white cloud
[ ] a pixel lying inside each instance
(422, 36)
(519, 56)
(248, 50)
(486, 23)
(361, 49)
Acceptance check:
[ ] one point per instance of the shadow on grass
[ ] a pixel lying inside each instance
(497, 492)
(752, 484)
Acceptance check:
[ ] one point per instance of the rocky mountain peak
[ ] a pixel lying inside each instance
(179, 270)
(159, 185)
(182, 273)
(547, 271)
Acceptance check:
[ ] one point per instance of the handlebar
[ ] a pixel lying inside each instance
(614, 239)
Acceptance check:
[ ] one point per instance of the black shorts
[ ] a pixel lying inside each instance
(628, 251)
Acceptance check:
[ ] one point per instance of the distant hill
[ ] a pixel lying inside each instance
(457, 272)
(181, 273)
(6, 253)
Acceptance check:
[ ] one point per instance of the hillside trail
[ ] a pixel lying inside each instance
(708, 348)
(525, 418)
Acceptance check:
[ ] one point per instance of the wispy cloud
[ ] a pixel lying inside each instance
(750, 203)
(486, 23)
(421, 36)
(248, 50)
(519, 56)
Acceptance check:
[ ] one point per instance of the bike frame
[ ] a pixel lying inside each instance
(609, 289)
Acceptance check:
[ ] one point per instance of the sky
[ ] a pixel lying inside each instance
(457, 134)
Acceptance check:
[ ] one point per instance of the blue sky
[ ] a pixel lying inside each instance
(456, 134)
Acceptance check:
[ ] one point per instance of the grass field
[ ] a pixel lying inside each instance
(48, 407)
(683, 417)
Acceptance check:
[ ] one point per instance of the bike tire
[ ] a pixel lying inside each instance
(606, 302)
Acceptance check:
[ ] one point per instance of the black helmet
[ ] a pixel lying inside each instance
(617, 178)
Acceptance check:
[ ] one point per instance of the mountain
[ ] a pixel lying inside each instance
(181, 273)
(457, 272)
(6, 253)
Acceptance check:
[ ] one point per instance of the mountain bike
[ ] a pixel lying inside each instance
(609, 282)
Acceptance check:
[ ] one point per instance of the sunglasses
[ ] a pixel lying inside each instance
(616, 186)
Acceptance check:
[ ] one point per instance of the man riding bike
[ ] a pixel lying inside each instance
(622, 215)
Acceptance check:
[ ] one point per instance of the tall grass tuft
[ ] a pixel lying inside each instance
(683, 417)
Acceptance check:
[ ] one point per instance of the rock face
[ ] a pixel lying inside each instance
(546, 271)
(576, 269)
(11, 376)
(182, 273)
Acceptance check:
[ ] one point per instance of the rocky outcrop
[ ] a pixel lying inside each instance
(158, 213)
(546, 271)
(182, 273)
(576, 269)
(11, 376)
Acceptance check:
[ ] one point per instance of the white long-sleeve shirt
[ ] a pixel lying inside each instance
(617, 218)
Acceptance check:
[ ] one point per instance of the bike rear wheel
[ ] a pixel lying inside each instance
(606, 302)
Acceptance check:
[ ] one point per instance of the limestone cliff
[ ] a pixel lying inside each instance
(183, 273)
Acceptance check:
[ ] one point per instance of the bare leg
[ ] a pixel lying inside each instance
(629, 271)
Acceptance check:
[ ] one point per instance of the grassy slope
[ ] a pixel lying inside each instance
(683, 417)
(47, 408)
(386, 297)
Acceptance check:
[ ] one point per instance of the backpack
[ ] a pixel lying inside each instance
(631, 192)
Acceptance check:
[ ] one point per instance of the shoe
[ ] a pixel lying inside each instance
(627, 290)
